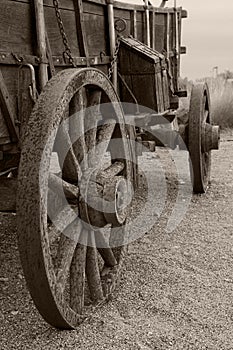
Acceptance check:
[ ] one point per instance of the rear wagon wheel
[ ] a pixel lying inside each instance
(202, 137)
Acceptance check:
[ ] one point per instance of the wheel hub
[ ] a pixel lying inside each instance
(210, 137)
(103, 200)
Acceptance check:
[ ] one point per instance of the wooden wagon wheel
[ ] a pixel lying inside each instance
(202, 137)
(66, 266)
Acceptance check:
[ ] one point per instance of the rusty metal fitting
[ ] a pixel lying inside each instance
(210, 137)
(103, 200)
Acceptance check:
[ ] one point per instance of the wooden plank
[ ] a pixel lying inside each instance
(94, 14)
(140, 26)
(16, 35)
(81, 30)
(24, 101)
(5, 103)
(159, 93)
(122, 13)
(97, 34)
(50, 56)
(68, 5)
(147, 24)
(165, 90)
(153, 30)
(140, 83)
(168, 35)
(54, 35)
(41, 41)
(134, 24)
(160, 32)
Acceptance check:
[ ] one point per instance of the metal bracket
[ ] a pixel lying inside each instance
(32, 87)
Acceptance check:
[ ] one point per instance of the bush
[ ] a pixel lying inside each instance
(221, 96)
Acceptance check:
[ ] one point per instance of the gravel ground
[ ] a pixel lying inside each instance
(176, 290)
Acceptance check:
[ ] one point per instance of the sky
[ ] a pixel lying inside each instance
(208, 35)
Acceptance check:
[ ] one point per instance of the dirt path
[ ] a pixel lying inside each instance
(176, 290)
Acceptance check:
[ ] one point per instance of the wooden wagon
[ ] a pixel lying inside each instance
(61, 63)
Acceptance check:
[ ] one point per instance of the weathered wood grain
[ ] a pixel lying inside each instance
(4, 133)
(16, 35)
(8, 113)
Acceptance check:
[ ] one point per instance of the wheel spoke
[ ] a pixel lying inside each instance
(77, 275)
(118, 238)
(206, 115)
(108, 256)
(67, 159)
(61, 187)
(91, 120)
(113, 170)
(104, 250)
(78, 106)
(92, 271)
(104, 134)
(64, 217)
(110, 275)
(67, 244)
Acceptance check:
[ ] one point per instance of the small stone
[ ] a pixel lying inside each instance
(181, 182)
(4, 279)
(14, 312)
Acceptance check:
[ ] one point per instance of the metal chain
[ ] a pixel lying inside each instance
(114, 59)
(67, 51)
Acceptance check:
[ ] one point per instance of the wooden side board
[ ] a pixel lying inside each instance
(18, 38)
(17, 26)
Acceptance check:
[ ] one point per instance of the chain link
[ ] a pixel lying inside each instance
(67, 51)
(114, 59)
